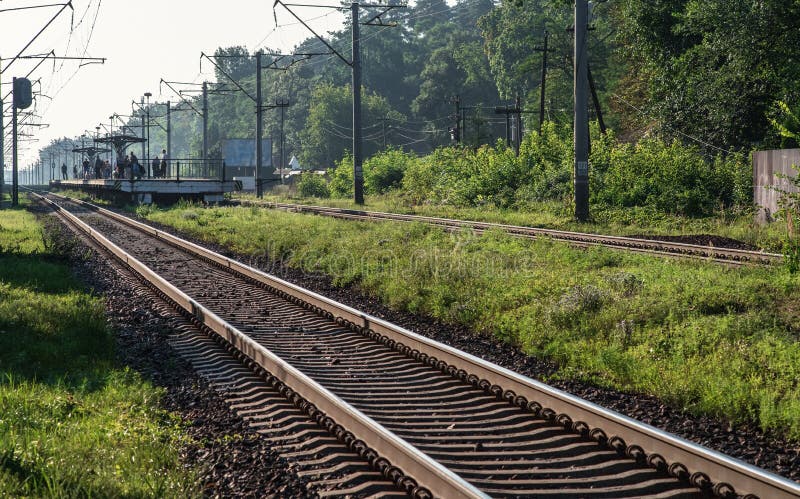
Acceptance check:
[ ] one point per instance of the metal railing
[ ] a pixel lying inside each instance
(178, 169)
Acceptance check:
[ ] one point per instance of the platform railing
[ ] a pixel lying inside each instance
(197, 168)
(177, 169)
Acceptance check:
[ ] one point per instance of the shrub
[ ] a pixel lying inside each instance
(312, 185)
(673, 178)
(384, 171)
(341, 185)
(666, 177)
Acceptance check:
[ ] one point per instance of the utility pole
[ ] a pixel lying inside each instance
(358, 173)
(518, 141)
(147, 111)
(508, 126)
(111, 136)
(2, 141)
(14, 168)
(516, 112)
(355, 64)
(596, 101)
(544, 79)
(259, 126)
(141, 120)
(169, 136)
(455, 132)
(507, 111)
(205, 123)
(282, 104)
(581, 110)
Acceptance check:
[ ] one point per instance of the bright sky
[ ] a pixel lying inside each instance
(143, 41)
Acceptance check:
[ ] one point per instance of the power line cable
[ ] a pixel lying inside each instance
(683, 134)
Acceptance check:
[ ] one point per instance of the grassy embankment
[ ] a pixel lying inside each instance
(72, 422)
(557, 215)
(712, 339)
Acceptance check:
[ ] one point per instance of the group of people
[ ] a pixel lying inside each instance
(126, 167)
(102, 169)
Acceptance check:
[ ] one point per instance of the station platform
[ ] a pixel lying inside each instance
(146, 191)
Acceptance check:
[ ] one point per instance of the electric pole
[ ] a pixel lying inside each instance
(14, 168)
(358, 173)
(518, 141)
(355, 64)
(282, 104)
(544, 79)
(455, 132)
(581, 110)
(596, 101)
(205, 124)
(147, 111)
(259, 126)
(2, 142)
(169, 136)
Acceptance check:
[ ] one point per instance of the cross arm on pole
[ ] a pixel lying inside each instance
(376, 20)
(188, 103)
(64, 6)
(52, 53)
(231, 78)
(325, 42)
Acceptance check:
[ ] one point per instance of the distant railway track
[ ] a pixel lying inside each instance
(649, 246)
(433, 420)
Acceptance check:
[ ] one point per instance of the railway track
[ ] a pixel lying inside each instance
(432, 420)
(662, 248)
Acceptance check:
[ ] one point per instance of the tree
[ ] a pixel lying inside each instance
(713, 68)
(329, 128)
(236, 61)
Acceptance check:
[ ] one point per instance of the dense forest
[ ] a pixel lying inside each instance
(717, 76)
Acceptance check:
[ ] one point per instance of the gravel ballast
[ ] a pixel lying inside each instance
(233, 460)
(742, 441)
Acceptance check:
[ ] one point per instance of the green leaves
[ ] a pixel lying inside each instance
(713, 67)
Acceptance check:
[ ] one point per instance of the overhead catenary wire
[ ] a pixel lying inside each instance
(682, 134)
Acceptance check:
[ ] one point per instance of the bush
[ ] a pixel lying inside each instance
(666, 177)
(384, 171)
(341, 185)
(673, 178)
(312, 185)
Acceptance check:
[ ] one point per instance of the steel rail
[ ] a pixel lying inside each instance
(428, 473)
(703, 465)
(722, 255)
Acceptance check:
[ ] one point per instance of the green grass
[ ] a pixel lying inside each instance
(557, 215)
(72, 422)
(82, 195)
(714, 340)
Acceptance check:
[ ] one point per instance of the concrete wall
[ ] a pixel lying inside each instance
(767, 165)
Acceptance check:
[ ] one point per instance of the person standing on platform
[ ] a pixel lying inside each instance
(98, 167)
(63, 171)
(75, 171)
(136, 168)
(164, 164)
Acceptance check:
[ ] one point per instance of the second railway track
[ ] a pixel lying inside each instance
(434, 420)
(728, 256)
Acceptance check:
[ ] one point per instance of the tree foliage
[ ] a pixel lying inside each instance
(713, 68)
